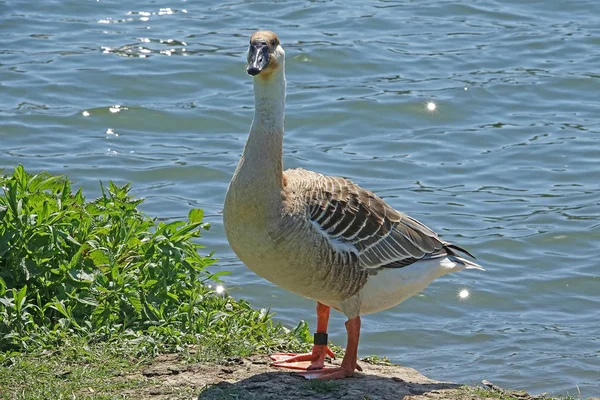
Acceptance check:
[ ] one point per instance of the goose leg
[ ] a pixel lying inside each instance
(349, 363)
(316, 358)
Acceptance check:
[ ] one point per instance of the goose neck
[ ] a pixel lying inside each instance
(261, 164)
(269, 100)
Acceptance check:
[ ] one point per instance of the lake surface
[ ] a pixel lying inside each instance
(508, 165)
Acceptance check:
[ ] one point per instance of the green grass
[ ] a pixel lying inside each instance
(77, 371)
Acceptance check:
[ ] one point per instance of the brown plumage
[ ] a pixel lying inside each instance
(359, 224)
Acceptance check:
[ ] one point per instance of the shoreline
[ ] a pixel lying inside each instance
(253, 378)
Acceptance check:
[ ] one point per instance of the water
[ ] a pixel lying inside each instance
(506, 166)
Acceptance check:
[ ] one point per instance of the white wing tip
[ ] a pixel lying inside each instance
(470, 264)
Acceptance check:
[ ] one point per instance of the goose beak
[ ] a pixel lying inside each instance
(258, 57)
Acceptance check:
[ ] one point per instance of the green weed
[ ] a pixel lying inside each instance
(102, 269)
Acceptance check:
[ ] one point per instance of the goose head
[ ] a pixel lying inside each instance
(265, 54)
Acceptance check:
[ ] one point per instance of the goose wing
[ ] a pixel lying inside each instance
(356, 220)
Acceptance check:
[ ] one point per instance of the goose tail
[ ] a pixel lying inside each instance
(468, 264)
(451, 250)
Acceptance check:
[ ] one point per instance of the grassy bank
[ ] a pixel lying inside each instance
(79, 370)
(98, 286)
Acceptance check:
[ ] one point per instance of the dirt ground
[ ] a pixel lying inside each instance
(253, 378)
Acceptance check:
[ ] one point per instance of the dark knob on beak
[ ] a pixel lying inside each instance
(253, 70)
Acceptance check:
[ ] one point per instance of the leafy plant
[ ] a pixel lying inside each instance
(103, 269)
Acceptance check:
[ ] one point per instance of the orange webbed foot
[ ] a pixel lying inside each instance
(308, 361)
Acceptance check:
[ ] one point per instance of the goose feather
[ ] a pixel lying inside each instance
(355, 221)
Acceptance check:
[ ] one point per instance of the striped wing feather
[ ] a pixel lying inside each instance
(381, 236)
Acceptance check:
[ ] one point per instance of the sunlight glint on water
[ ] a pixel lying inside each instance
(479, 119)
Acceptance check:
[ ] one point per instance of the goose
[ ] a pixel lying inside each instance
(322, 237)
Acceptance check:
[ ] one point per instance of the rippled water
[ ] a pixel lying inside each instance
(154, 92)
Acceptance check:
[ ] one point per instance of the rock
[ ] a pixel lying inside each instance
(258, 380)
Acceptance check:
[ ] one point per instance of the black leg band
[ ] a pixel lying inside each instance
(320, 338)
